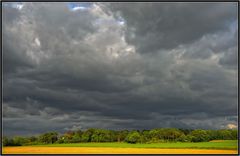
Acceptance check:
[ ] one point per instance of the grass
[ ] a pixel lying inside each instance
(226, 144)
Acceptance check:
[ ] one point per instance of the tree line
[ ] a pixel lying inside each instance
(134, 136)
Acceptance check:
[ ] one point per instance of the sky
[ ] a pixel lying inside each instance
(69, 66)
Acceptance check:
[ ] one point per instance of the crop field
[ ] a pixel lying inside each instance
(218, 147)
(107, 150)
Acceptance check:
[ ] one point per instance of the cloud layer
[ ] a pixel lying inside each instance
(119, 66)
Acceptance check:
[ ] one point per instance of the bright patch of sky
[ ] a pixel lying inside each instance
(37, 42)
(79, 6)
(121, 21)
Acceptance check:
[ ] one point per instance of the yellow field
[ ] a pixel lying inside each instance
(217, 141)
(106, 150)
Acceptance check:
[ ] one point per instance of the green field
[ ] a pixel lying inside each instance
(226, 144)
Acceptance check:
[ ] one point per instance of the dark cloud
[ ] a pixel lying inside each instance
(164, 26)
(119, 66)
(10, 14)
(230, 58)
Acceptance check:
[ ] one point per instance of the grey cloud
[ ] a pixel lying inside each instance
(14, 53)
(10, 15)
(230, 58)
(61, 73)
(163, 26)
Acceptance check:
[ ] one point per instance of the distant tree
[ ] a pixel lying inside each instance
(113, 136)
(234, 134)
(61, 139)
(155, 135)
(8, 141)
(133, 137)
(186, 131)
(183, 138)
(76, 138)
(121, 135)
(79, 132)
(5, 141)
(167, 134)
(32, 139)
(19, 141)
(172, 134)
(67, 137)
(145, 136)
(95, 135)
(213, 134)
(225, 134)
(86, 136)
(200, 135)
(190, 138)
(48, 138)
(102, 135)
(106, 136)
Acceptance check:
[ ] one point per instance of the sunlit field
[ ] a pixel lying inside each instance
(214, 147)
(100, 150)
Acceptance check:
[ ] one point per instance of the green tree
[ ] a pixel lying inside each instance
(19, 141)
(67, 137)
(48, 138)
(76, 138)
(172, 134)
(200, 135)
(185, 131)
(155, 135)
(101, 135)
(225, 134)
(5, 141)
(8, 142)
(32, 139)
(133, 137)
(61, 139)
(213, 134)
(182, 138)
(86, 136)
(145, 136)
(95, 135)
(190, 138)
(234, 134)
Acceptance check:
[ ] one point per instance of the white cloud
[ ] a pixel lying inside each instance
(231, 126)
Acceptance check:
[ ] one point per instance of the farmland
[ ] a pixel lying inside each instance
(101, 141)
(100, 150)
(218, 147)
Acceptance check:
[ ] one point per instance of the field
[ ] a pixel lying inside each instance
(218, 147)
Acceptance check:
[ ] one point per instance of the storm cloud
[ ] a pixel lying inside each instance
(118, 66)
